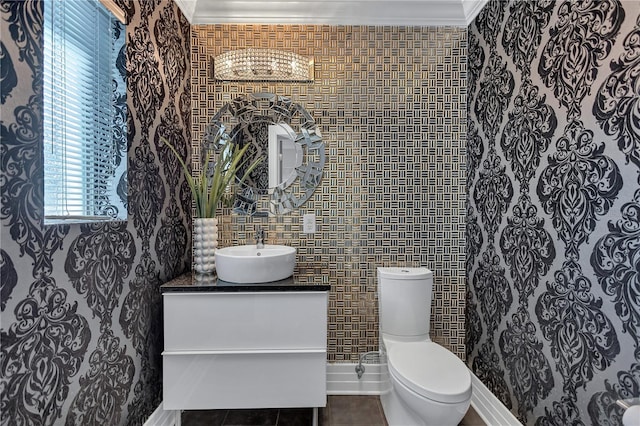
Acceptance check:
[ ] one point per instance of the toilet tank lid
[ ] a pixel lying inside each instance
(399, 273)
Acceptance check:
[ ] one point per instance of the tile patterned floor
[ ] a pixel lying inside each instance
(361, 410)
(340, 411)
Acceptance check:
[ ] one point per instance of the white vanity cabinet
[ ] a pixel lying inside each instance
(244, 349)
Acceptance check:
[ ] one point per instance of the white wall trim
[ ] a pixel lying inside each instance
(342, 379)
(188, 8)
(161, 417)
(472, 8)
(333, 12)
(490, 409)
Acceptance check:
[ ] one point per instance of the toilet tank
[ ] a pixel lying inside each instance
(404, 300)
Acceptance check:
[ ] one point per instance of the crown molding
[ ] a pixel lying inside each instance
(188, 8)
(333, 12)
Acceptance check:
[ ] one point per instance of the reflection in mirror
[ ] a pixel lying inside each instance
(276, 128)
(256, 135)
(285, 156)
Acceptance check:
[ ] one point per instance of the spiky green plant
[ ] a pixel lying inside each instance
(219, 188)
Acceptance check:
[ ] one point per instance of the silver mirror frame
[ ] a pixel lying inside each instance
(272, 109)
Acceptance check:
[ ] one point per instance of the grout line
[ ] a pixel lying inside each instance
(381, 411)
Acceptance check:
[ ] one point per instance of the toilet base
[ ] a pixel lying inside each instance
(398, 412)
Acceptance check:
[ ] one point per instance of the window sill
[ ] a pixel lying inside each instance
(75, 220)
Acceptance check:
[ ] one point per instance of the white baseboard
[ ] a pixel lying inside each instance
(161, 417)
(342, 379)
(490, 409)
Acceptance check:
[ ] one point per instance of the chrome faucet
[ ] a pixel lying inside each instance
(260, 237)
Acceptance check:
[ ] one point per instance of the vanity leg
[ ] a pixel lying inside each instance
(315, 416)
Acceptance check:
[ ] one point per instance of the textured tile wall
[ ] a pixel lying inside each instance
(390, 102)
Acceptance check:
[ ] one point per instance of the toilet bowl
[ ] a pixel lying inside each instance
(429, 385)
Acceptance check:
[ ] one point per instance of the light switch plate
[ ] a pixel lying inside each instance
(309, 223)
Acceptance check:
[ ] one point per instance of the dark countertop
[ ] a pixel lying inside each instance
(191, 282)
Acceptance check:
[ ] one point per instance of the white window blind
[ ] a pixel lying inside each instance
(79, 145)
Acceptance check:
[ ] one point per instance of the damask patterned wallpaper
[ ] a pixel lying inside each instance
(553, 216)
(81, 313)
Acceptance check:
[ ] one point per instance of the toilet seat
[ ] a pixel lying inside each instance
(430, 370)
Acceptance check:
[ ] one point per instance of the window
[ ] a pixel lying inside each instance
(84, 112)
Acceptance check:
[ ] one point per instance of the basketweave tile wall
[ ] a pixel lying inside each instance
(391, 106)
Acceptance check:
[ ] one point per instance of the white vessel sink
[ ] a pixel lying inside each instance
(249, 264)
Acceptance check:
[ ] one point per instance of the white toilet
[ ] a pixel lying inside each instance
(430, 386)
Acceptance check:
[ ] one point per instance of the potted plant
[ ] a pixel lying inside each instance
(215, 186)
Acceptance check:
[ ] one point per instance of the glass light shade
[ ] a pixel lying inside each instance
(262, 65)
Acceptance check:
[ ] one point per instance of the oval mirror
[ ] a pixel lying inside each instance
(286, 135)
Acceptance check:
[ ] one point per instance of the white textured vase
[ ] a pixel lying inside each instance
(205, 241)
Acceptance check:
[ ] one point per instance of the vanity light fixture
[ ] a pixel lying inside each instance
(262, 65)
